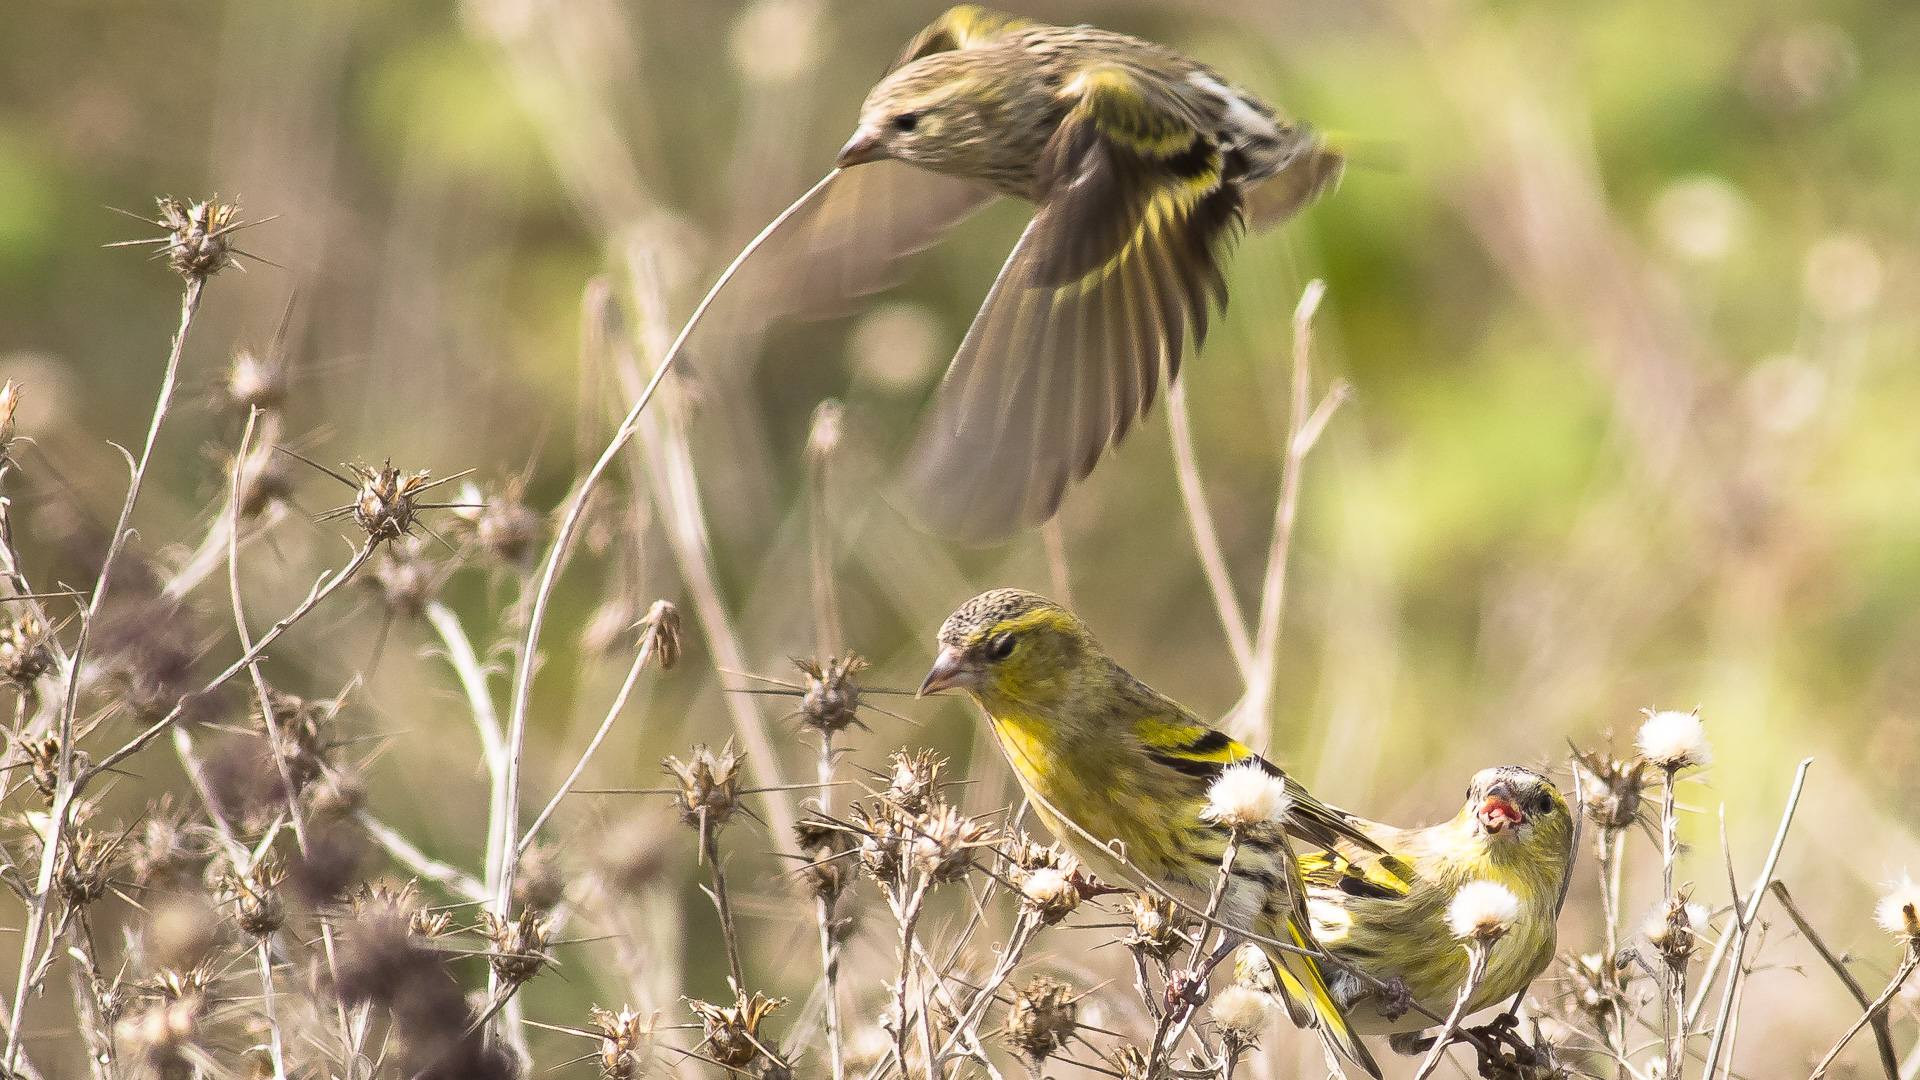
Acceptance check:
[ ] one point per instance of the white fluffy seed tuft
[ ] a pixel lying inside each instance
(1245, 796)
(1242, 1011)
(1898, 912)
(1675, 740)
(1482, 911)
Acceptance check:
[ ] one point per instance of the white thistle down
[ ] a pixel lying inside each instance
(1242, 1011)
(1482, 911)
(1245, 796)
(1898, 912)
(1675, 740)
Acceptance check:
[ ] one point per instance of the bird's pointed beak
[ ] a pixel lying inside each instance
(1500, 810)
(866, 145)
(949, 670)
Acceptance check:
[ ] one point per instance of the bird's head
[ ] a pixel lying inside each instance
(1013, 648)
(1510, 804)
(938, 112)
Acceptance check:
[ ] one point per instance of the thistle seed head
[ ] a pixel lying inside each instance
(709, 786)
(733, 1031)
(1043, 1017)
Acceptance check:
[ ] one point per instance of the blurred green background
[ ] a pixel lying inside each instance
(1628, 306)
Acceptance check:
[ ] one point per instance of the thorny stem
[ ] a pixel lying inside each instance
(1477, 953)
(824, 914)
(1025, 926)
(94, 1026)
(1907, 964)
(274, 1044)
(1173, 1025)
(909, 914)
(67, 784)
(1743, 922)
(1612, 852)
(710, 854)
(1673, 977)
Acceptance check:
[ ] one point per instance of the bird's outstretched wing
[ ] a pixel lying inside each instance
(959, 27)
(1120, 263)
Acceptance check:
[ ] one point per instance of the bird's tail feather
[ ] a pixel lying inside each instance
(1306, 994)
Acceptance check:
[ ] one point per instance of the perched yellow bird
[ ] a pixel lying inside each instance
(1142, 164)
(1103, 758)
(1386, 913)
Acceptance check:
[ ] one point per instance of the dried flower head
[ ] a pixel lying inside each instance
(1241, 1013)
(1613, 790)
(1669, 929)
(1247, 796)
(944, 841)
(882, 838)
(539, 884)
(41, 756)
(1482, 912)
(170, 1024)
(298, 732)
(831, 700)
(829, 868)
(377, 901)
(387, 501)
(1675, 740)
(255, 383)
(1898, 911)
(1043, 1017)
(405, 579)
(914, 781)
(1050, 893)
(167, 850)
(733, 1031)
(624, 1041)
(87, 861)
(1593, 995)
(1156, 930)
(709, 786)
(25, 650)
(255, 896)
(199, 239)
(9, 403)
(506, 527)
(662, 622)
(519, 945)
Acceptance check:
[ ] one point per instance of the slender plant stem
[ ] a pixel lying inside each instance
(1477, 953)
(1252, 715)
(1206, 538)
(1744, 916)
(419, 863)
(67, 783)
(275, 1046)
(1882, 1031)
(1907, 964)
(648, 647)
(710, 854)
(507, 844)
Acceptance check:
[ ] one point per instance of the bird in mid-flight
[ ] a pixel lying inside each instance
(1142, 165)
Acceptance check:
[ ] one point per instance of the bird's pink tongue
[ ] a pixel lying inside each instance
(1498, 813)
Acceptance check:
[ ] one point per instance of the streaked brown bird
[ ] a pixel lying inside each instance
(1143, 166)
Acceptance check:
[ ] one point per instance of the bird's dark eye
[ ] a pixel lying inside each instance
(1000, 648)
(906, 121)
(1542, 803)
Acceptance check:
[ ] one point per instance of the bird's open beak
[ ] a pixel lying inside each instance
(1500, 810)
(866, 145)
(949, 670)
